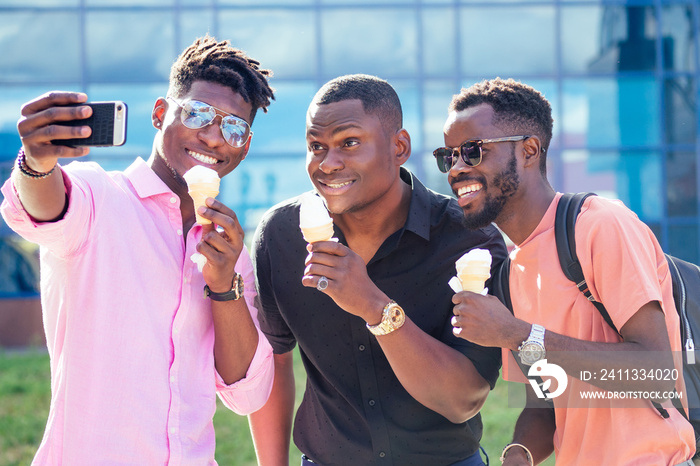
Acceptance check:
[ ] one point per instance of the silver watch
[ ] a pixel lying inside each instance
(532, 349)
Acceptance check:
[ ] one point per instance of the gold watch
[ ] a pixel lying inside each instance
(393, 318)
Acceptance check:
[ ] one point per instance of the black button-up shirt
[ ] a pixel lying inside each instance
(355, 411)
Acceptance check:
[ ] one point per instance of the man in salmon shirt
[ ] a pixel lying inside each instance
(140, 340)
(497, 134)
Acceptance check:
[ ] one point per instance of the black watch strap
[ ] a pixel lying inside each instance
(234, 294)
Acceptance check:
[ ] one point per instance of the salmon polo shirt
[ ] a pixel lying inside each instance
(129, 331)
(625, 269)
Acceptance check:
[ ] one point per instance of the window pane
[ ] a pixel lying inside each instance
(680, 44)
(499, 41)
(681, 184)
(580, 40)
(282, 40)
(633, 177)
(626, 39)
(122, 3)
(439, 41)
(41, 3)
(260, 182)
(196, 23)
(54, 51)
(377, 41)
(683, 243)
(139, 100)
(129, 46)
(283, 128)
(263, 2)
(607, 112)
(681, 110)
(11, 101)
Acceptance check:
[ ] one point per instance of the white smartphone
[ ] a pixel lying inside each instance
(108, 123)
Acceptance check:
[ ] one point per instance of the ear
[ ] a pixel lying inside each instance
(532, 151)
(247, 147)
(158, 113)
(402, 145)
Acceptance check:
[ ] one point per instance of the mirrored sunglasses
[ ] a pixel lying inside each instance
(196, 114)
(470, 152)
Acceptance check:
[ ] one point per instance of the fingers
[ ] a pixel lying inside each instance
(227, 219)
(320, 282)
(52, 99)
(41, 123)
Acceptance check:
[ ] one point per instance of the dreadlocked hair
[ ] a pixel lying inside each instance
(517, 107)
(218, 62)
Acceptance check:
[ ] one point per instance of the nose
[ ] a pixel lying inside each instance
(332, 161)
(458, 164)
(211, 134)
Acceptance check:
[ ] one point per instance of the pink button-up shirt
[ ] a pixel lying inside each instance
(129, 331)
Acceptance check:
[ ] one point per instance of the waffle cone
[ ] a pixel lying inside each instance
(199, 192)
(473, 279)
(318, 233)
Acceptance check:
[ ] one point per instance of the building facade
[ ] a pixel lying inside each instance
(622, 77)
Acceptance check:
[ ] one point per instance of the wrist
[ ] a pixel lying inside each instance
(517, 451)
(30, 168)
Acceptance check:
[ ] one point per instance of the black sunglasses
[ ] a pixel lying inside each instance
(470, 151)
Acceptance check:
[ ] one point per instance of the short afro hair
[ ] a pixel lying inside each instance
(517, 107)
(377, 97)
(209, 60)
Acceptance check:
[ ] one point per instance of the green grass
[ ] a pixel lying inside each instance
(25, 396)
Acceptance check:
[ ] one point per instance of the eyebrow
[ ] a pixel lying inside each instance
(345, 127)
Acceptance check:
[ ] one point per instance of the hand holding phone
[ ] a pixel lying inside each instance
(108, 124)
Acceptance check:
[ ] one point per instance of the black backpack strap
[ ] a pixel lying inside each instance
(568, 209)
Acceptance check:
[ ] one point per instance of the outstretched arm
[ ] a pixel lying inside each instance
(43, 197)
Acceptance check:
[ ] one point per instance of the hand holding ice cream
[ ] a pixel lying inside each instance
(473, 269)
(202, 182)
(315, 222)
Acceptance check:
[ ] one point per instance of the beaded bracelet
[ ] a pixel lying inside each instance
(28, 172)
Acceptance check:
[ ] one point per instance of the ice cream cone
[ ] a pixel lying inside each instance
(473, 278)
(315, 222)
(199, 194)
(318, 233)
(202, 182)
(473, 269)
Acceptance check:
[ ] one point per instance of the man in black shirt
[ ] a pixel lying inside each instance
(387, 381)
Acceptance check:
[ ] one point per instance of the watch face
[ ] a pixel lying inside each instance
(531, 352)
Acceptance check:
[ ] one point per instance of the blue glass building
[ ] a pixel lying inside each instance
(622, 77)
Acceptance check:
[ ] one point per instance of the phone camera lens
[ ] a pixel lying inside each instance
(119, 107)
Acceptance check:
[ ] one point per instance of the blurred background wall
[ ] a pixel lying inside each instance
(622, 77)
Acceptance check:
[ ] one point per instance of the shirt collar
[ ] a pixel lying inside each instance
(144, 179)
(418, 220)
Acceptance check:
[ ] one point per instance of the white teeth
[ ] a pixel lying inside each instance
(338, 185)
(468, 189)
(202, 158)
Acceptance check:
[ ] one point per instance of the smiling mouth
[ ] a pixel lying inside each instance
(202, 158)
(336, 185)
(464, 191)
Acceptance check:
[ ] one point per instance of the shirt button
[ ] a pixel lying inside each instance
(179, 232)
(173, 200)
(172, 378)
(371, 402)
(382, 454)
(361, 347)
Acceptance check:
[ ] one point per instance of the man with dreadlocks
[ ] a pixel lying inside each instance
(138, 350)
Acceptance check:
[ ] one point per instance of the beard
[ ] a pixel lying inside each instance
(507, 182)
